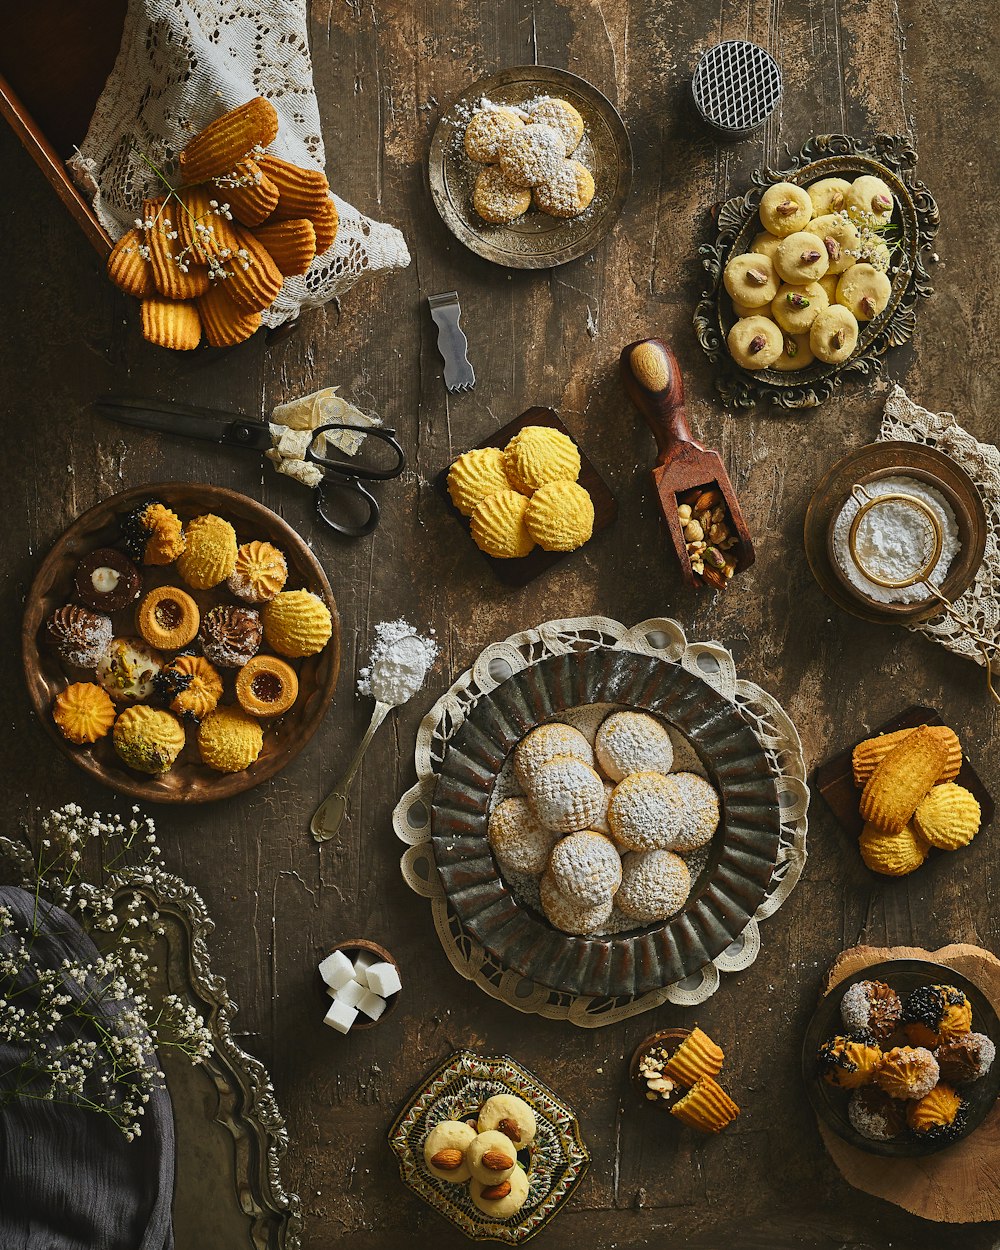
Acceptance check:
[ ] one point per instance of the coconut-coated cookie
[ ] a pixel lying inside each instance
(751, 279)
(488, 130)
(801, 258)
(498, 201)
(755, 342)
(833, 336)
(785, 208)
(828, 195)
(795, 308)
(840, 238)
(865, 290)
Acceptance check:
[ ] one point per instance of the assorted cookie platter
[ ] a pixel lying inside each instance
(181, 643)
(530, 167)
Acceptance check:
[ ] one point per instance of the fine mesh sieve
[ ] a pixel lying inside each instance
(736, 87)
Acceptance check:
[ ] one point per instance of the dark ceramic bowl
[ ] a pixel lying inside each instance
(904, 975)
(741, 860)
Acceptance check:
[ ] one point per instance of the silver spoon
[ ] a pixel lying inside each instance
(329, 816)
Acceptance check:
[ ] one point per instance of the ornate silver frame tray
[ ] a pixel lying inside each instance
(742, 857)
(890, 157)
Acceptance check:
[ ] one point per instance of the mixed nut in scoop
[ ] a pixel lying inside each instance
(709, 535)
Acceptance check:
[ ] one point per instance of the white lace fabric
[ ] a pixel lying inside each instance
(905, 421)
(665, 639)
(181, 65)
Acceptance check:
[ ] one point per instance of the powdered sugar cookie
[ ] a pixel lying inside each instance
(568, 193)
(655, 885)
(488, 129)
(566, 794)
(701, 813)
(543, 743)
(532, 155)
(561, 116)
(647, 812)
(519, 842)
(632, 742)
(498, 201)
(586, 866)
(570, 914)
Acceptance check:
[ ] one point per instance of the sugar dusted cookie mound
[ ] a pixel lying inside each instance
(546, 742)
(476, 475)
(586, 866)
(297, 623)
(229, 740)
(532, 155)
(646, 812)
(948, 817)
(875, 1115)
(560, 516)
(511, 1116)
(561, 116)
(566, 794)
(849, 1060)
(701, 812)
(907, 1072)
(570, 914)
(539, 454)
(489, 129)
(500, 1200)
(498, 526)
(871, 1007)
(210, 552)
(260, 572)
(632, 742)
(444, 1150)
(147, 739)
(84, 713)
(654, 885)
(497, 200)
(519, 842)
(569, 191)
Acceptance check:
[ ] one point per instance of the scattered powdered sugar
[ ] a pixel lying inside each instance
(533, 154)
(894, 540)
(397, 663)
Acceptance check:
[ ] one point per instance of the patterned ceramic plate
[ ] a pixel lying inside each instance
(555, 1162)
(741, 858)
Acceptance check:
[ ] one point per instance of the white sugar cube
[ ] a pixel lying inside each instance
(362, 963)
(336, 970)
(384, 979)
(340, 1016)
(351, 994)
(371, 1004)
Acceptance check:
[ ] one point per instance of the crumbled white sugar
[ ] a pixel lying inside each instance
(384, 979)
(397, 664)
(340, 1016)
(336, 970)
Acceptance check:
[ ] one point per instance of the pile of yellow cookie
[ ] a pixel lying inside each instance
(524, 494)
(528, 153)
(207, 259)
(909, 799)
(817, 269)
(482, 1152)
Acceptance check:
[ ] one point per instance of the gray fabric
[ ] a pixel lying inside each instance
(69, 1180)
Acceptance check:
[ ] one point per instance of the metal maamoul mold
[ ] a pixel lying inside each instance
(889, 157)
(741, 860)
(736, 87)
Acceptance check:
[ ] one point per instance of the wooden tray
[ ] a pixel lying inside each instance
(521, 571)
(835, 779)
(958, 1185)
(189, 781)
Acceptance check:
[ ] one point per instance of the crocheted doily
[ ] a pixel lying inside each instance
(182, 63)
(906, 421)
(665, 639)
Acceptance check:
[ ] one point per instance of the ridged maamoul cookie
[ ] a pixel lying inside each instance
(497, 200)
(560, 516)
(902, 779)
(297, 623)
(539, 454)
(568, 193)
(646, 812)
(695, 1058)
(497, 525)
(260, 572)
(937, 1114)
(475, 476)
(893, 854)
(632, 742)
(569, 914)
(147, 739)
(654, 885)
(566, 794)
(444, 1150)
(586, 866)
(532, 155)
(210, 554)
(706, 1107)
(875, 1115)
(84, 712)
(519, 842)
(229, 740)
(561, 116)
(488, 130)
(948, 817)
(701, 812)
(545, 742)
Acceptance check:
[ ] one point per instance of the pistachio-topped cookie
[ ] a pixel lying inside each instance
(871, 196)
(755, 342)
(785, 208)
(751, 279)
(801, 257)
(765, 243)
(796, 307)
(796, 353)
(840, 238)
(833, 336)
(829, 195)
(865, 290)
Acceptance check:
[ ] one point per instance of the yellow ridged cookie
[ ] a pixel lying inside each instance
(696, 1057)
(254, 279)
(250, 194)
(129, 267)
(560, 516)
(229, 139)
(707, 1107)
(476, 475)
(225, 322)
(867, 755)
(326, 222)
(948, 817)
(893, 854)
(901, 780)
(229, 740)
(84, 712)
(539, 454)
(937, 1109)
(498, 527)
(177, 274)
(202, 227)
(297, 623)
(292, 244)
(171, 323)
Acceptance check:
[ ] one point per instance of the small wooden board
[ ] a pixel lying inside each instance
(527, 568)
(958, 1185)
(835, 779)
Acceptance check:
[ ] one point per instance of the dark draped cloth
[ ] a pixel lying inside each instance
(69, 1179)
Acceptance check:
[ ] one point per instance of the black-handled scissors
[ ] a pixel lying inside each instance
(231, 430)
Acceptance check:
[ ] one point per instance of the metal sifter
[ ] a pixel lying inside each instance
(736, 87)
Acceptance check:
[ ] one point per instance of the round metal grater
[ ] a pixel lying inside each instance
(736, 87)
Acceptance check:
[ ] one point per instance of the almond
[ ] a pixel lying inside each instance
(509, 1129)
(492, 1193)
(496, 1161)
(707, 499)
(448, 1160)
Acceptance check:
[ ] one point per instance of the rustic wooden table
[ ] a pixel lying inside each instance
(383, 71)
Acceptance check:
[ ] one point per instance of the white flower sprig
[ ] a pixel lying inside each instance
(86, 1032)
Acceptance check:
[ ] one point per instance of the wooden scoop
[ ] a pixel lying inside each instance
(653, 382)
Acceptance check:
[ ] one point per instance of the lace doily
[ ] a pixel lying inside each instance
(905, 421)
(182, 63)
(665, 639)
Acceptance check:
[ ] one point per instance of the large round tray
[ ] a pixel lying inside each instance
(741, 860)
(916, 218)
(534, 241)
(189, 781)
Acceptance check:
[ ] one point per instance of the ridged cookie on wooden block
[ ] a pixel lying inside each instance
(228, 140)
(867, 755)
(893, 854)
(291, 244)
(128, 268)
(894, 790)
(949, 817)
(250, 194)
(171, 323)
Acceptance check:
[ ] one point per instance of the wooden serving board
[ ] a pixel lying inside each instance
(959, 1185)
(521, 571)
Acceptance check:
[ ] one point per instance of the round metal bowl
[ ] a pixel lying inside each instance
(741, 858)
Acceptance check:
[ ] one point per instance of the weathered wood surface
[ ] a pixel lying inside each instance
(382, 70)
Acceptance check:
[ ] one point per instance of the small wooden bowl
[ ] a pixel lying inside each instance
(669, 1039)
(189, 781)
(362, 944)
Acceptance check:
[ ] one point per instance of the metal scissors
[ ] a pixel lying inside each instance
(347, 474)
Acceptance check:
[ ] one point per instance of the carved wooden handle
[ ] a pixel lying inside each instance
(652, 381)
